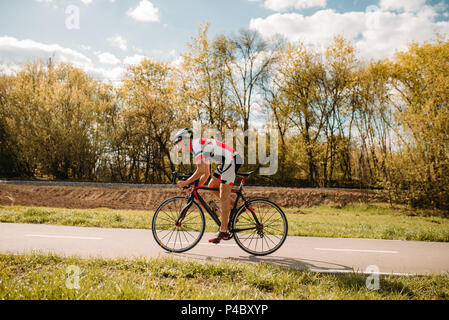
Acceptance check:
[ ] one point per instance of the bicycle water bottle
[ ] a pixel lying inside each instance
(214, 207)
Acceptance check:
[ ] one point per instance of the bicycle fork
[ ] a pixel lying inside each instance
(259, 226)
(183, 213)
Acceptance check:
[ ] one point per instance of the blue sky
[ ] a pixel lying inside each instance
(29, 19)
(114, 33)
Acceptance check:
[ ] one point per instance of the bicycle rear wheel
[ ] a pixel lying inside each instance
(260, 227)
(178, 237)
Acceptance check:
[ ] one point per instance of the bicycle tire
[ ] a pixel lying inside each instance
(272, 231)
(164, 222)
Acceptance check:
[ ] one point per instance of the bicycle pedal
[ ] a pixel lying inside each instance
(228, 238)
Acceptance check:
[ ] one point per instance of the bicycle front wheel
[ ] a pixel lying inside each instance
(173, 234)
(260, 227)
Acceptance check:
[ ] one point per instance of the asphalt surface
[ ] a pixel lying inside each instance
(327, 255)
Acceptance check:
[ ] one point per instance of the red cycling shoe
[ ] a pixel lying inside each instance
(220, 236)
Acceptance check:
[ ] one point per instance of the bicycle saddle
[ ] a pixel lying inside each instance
(245, 174)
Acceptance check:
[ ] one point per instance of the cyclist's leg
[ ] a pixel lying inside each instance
(227, 182)
(215, 182)
(225, 195)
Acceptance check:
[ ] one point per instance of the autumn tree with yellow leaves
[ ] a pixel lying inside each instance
(342, 121)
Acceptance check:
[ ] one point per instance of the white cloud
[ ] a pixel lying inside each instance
(281, 5)
(172, 53)
(138, 50)
(376, 34)
(86, 2)
(406, 5)
(110, 75)
(14, 54)
(133, 60)
(177, 63)
(17, 51)
(118, 42)
(144, 12)
(107, 58)
(157, 52)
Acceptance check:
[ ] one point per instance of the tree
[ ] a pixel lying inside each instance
(206, 85)
(247, 59)
(54, 112)
(420, 78)
(9, 163)
(152, 109)
(297, 87)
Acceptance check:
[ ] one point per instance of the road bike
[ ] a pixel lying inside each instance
(258, 226)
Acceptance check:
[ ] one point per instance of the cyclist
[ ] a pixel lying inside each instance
(229, 161)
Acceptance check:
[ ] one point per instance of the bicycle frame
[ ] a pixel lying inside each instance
(252, 217)
(234, 210)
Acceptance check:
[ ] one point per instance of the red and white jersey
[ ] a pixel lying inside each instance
(212, 150)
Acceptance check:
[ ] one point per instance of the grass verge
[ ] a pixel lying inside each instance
(374, 221)
(48, 277)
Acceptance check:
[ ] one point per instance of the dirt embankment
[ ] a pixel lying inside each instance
(150, 198)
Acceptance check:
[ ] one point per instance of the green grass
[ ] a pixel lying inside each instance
(375, 221)
(46, 277)
(102, 217)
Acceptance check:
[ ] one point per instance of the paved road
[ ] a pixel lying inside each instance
(335, 255)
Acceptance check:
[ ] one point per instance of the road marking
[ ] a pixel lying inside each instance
(62, 237)
(358, 272)
(209, 244)
(221, 244)
(357, 250)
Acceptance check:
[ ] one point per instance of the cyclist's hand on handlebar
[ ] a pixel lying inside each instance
(182, 184)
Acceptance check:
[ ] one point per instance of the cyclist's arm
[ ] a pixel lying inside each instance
(204, 168)
(202, 173)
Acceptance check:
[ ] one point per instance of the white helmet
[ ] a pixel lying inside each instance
(183, 134)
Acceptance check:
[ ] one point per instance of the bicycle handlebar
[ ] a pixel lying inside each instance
(177, 176)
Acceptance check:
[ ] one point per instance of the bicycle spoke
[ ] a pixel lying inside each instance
(184, 234)
(171, 222)
(182, 237)
(176, 238)
(170, 214)
(274, 214)
(270, 228)
(169, 233)
(189, 234)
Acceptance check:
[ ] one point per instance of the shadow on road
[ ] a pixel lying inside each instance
(285, 262)
(300, 264)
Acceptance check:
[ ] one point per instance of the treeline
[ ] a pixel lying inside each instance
(341, 121)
